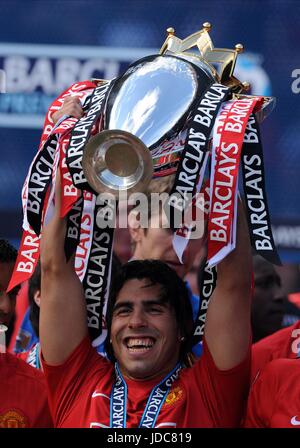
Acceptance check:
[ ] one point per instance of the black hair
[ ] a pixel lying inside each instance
(8, 254)
(34, 285)
(173, 291)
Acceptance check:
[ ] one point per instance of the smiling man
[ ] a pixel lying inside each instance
(149, 312)
(149, 324)
(133, 346)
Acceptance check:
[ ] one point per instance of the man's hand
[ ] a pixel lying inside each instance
(71, 106)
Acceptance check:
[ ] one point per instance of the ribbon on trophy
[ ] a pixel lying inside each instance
(226, 153)
(194, 152)
(74, 218)
(231, 142)
(85, 235)
(255, 194)
(81, 133)
(235, 135)
(97, 277)
(208, 283)
(98, 254)
(223, 174)
(28, 253)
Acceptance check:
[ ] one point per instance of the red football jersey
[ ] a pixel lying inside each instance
(203, 396)
(284, 343)
(23, 395)
(274, 401)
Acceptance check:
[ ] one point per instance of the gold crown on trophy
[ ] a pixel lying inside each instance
(221, 61)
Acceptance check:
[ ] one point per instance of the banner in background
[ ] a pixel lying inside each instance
(36, 74)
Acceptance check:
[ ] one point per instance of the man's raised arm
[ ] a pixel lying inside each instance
(228, 324)
(63, 322)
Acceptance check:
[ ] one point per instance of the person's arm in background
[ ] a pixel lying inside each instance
(63, 321)
(228, 325)
(71, 106)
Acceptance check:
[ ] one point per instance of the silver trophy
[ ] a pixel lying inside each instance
(148, 110)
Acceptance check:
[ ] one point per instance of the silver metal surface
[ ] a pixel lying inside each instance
(153, 96)
(116, 160)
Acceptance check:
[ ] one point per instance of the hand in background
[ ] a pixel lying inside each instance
(71, 107)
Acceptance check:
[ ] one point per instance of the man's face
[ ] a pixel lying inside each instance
(268, 302)
(7, 301)
(144, 331)
(156, 243)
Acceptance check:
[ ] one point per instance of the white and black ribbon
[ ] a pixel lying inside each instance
(257, 210)
(208, 283)
(95, 282)
(73, 227)
(38, 182)
(118, 400)
(81, 133)
(193, 154)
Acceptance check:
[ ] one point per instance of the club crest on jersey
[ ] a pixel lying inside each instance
(175, 395)
(13, 419)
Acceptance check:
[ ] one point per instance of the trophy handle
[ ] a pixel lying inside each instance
(116, 160)
(269, 103)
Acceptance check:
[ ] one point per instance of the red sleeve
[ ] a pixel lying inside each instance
(262, 398)
(21, 308)
(225, 392)
(65, 382)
